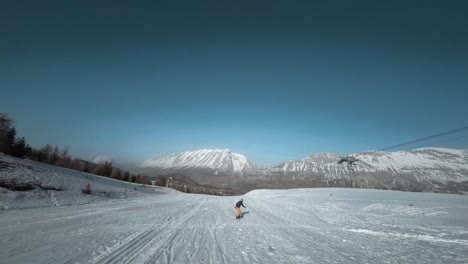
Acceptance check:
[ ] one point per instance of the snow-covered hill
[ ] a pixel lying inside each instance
(29, 184)
(215, 161)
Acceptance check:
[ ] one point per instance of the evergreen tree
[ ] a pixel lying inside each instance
(5, 129)
(20, 149)
(10, 140)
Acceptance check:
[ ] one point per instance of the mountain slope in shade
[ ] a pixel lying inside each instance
(215, 161)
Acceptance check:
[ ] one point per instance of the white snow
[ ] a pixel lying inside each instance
(279, 226)
(410, 236)
(459, 152)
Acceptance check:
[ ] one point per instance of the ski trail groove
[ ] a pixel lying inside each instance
(127, 252)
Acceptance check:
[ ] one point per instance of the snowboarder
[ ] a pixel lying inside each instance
(238, 205)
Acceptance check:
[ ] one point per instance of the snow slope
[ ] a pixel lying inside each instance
(56, 186)
(279, 226)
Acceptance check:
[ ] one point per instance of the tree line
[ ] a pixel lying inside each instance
(10, 144)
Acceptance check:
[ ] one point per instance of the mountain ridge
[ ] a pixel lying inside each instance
(419, 169)
(216, 160)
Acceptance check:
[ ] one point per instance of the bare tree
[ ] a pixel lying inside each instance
(53, 158)
(126, 176)
(116, 173)
(45, 152)
(65, 159)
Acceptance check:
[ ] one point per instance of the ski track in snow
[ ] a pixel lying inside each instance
(279, 226)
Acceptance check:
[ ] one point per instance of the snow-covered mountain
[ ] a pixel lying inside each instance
(213, 161)
(419, 169)
(316, 163)
(425, 169)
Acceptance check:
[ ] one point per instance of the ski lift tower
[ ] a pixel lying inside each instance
(351, 161)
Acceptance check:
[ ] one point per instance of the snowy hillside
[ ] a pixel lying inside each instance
(278, 226)
(28, 184)
(216, 161)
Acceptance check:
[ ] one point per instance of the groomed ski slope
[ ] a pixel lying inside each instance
(280, 226)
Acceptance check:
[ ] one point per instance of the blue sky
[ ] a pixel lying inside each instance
(272, 80)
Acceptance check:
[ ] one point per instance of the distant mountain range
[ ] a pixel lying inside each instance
(425, 169)
(211, 161)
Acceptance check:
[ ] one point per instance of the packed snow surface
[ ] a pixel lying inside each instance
(278, 226)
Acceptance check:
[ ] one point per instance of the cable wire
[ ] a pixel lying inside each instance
(426, 138)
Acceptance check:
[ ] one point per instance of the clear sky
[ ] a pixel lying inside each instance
(273, 80)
